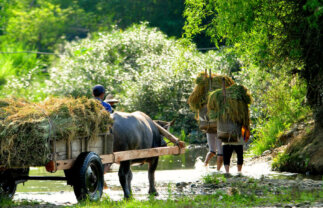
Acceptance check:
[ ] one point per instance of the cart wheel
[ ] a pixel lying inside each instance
(88, 182)
(7, 189)
(9, 179)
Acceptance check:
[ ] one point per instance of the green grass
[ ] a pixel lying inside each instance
(243, 194)
(267, 135)
(8, 203)
(214, 179)
(219, 199)
(284, 106)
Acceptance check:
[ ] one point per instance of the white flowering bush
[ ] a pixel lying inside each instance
(140, 66)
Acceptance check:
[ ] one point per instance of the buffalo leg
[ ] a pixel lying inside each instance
(152, 165)
(124, 172)
(129, 180)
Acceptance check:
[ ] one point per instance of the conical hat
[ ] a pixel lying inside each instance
(110, 99)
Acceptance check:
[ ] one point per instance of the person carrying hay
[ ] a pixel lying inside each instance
(205, 83)
(98, 92)
(230, 106)
(228, 148)
(214, 144)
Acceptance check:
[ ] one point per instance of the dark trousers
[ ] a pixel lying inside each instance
(227, 153)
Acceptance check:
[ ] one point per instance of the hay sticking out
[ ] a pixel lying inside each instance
(234, 108)
(199, 96)
(26, 127)
(10, 106)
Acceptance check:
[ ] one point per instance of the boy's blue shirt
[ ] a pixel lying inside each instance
(107, 106)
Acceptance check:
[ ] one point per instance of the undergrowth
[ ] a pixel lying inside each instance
(243, 192)
(219, 199)
(284, 105)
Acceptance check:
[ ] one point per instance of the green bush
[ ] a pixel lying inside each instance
(141, 66)
(15, 64)
(44, 24)
(279, 101)
(21, 74)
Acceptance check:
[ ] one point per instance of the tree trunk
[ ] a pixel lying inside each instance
(312, 44)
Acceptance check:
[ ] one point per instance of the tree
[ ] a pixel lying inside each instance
(45, 23)
(270, 34)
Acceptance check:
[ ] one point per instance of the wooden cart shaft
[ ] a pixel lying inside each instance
(118, 157)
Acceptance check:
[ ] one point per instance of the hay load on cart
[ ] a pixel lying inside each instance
(205, 83)
(28, 129)
(73, 135)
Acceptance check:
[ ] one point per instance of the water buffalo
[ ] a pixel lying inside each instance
(135, 131)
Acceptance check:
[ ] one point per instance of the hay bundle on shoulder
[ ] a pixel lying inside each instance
(231, 109)
(25, 128)
(199, 98)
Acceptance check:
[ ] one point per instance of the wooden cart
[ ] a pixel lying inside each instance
(84, 162)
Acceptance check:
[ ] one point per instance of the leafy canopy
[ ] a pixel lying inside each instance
(266, 32)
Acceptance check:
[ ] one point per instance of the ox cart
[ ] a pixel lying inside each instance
(84, 163)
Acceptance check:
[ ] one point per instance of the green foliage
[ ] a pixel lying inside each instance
(30, 86)
(214, 179)
(46, 23)
(7, 203)
(266, 135)
(21, 74)
(263, 37)
(183, 136)
(256, 29)
(314, 7)
(280, 160)
(164, 14)
(267, 34)
(14, 65)
(219, 199)
(279, 103)
(146, 70)
(42, 25)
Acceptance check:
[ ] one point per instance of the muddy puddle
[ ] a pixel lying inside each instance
(186, 168)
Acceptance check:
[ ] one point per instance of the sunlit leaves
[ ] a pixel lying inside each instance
(262, 29)
(141, 66)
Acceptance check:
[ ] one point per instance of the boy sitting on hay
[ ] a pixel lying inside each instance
(98, 92)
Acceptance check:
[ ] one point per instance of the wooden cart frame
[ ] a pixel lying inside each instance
(88, 166)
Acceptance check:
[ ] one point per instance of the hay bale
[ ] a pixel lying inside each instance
(235, 108)
(27, 127)
(199, 96)
(10, 106)
(3, 103)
